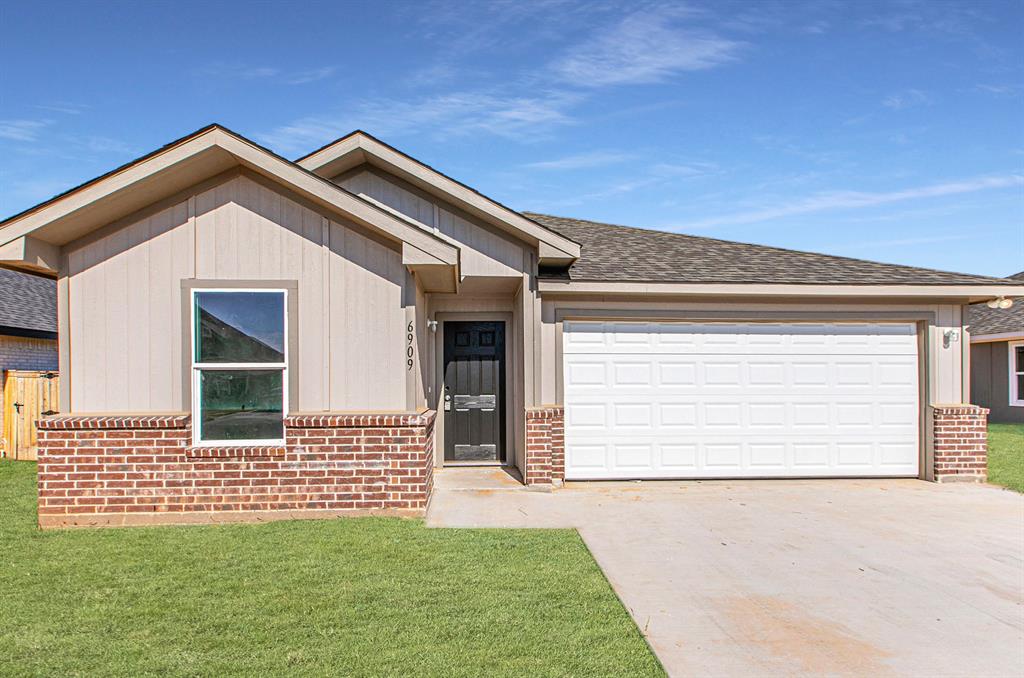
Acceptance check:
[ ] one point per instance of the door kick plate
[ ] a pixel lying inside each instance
(476, 452)
(475, 402)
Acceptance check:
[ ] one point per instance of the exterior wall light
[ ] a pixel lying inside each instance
(1000, 302)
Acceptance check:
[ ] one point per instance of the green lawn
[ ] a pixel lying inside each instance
(1006, 455)
(333, 597)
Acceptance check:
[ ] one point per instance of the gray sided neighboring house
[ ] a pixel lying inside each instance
(997, 359)
(28, 325)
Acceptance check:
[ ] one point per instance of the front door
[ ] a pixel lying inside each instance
(474, 392)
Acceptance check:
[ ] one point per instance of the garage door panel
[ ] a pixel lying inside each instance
(731, 458)
(660, 400)
(757, 414)
(821, 375)
(746, 338)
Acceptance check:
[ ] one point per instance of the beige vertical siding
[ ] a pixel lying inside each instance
(485, 253)
(488, 252)
(125, 292)
(367, 323)
(125, 306)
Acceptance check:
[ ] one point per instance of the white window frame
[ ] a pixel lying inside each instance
(197, 368)
(1016, 399)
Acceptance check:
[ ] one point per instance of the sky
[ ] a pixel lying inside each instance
(891, 131)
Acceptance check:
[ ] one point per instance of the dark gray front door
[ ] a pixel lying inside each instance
(474, 391)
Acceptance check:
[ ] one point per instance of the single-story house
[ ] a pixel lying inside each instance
(252, 336)
(997, 359)
(28, 331)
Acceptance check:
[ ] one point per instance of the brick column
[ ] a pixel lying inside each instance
(545, 446)
(960, 435)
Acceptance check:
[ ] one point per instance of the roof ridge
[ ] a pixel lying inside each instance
(774, 248)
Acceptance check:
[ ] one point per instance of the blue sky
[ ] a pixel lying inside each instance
(880, 130)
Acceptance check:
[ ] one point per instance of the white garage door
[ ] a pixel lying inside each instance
(718, 400)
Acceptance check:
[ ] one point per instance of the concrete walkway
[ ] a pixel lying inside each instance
(794, 578)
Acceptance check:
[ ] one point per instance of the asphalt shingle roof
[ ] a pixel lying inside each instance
(985, 320)
(625, 254)
(27, 302)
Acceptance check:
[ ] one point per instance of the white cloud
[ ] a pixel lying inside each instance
(842, 200)
(908, 99)
(236, 71)
(22, 130)
(1001, 90)
(646, 47)
(581, 161)
(442, 116)
(62, 107)
(903, 242)
(303, 77)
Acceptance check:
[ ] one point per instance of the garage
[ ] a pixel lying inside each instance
(647, 400)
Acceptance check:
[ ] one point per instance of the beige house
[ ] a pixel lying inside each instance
(321, 335)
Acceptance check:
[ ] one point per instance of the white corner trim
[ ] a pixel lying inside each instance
(1016, 399)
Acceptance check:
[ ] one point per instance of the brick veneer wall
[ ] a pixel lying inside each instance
(545, 446)
(97, 470)
(960, 435)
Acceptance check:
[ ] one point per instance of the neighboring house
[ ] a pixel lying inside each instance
(28, 327)
(997, 359)
(249, 334)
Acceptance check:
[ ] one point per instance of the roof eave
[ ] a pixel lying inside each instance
(359, 147)
(960, 293)
(203, 154)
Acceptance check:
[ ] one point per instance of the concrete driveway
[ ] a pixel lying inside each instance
(818, 577)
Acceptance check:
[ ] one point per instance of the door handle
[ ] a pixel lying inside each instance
(18, 406)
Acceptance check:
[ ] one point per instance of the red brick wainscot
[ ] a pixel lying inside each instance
(545, 446)
(960, 433)
(134, 470)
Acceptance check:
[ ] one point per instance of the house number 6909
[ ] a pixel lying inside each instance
(409, 352)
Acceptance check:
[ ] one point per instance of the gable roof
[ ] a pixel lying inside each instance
(626, 254)
(28, 305)
(358, 148)
(187, 161)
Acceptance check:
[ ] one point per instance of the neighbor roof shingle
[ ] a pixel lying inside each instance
(625, 254)
(27, 302)
(984, 320)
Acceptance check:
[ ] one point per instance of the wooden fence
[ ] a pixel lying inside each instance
(28, 395)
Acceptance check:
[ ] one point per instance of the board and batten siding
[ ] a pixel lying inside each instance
(125, 300)
(487, 252)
